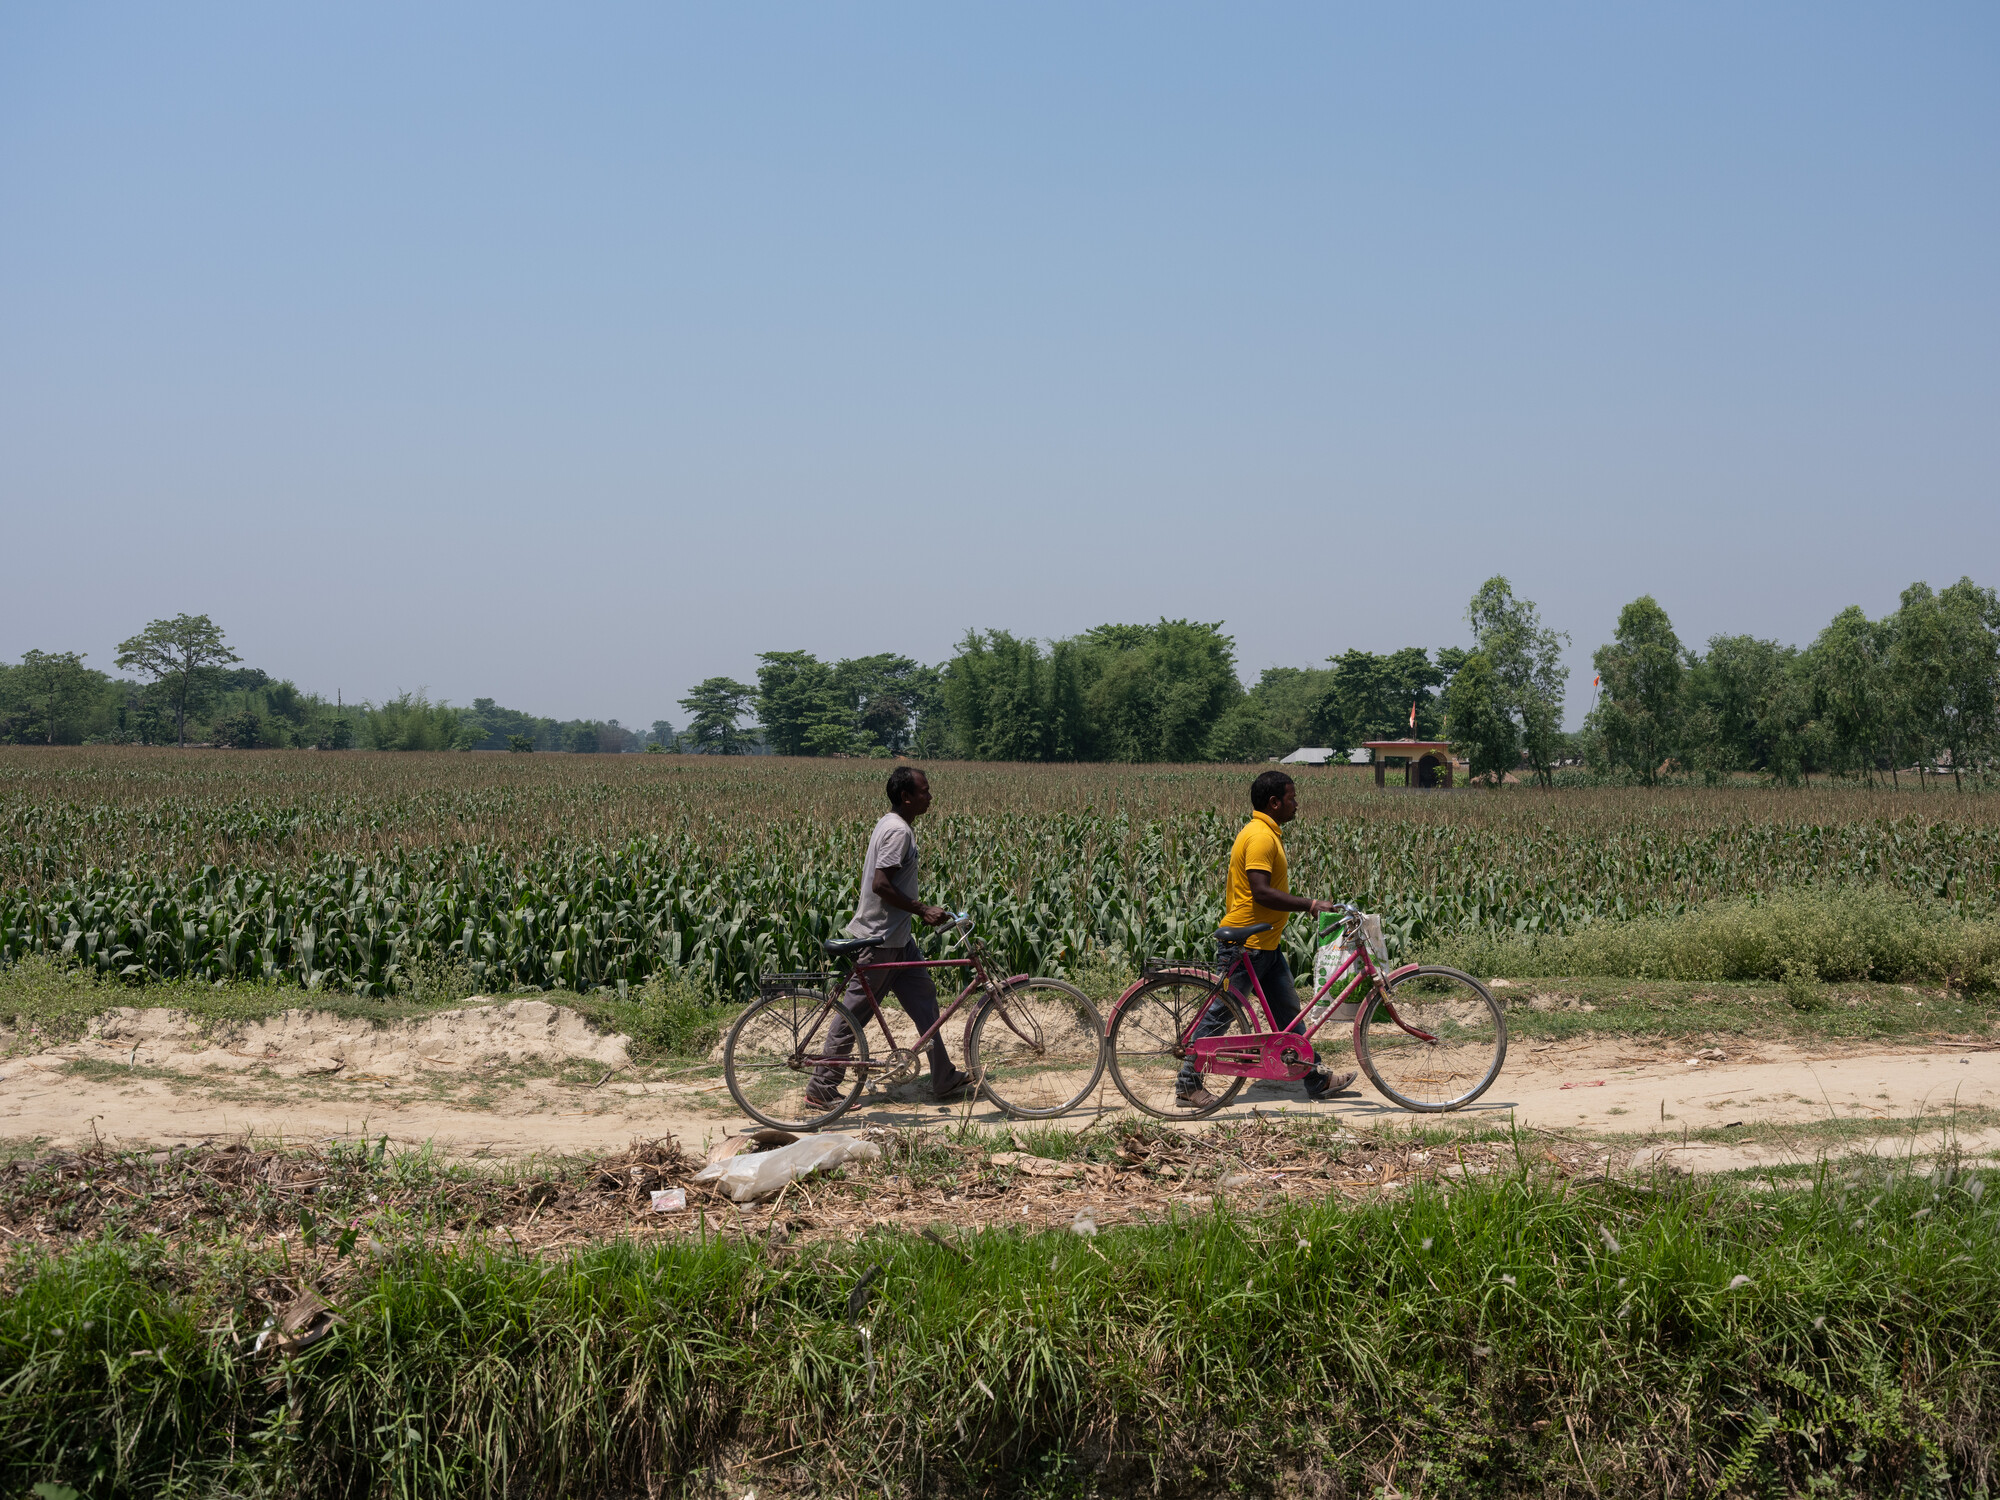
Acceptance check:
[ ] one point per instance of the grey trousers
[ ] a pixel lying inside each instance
(918, 994)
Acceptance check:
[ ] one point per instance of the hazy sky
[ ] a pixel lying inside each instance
(567, 355)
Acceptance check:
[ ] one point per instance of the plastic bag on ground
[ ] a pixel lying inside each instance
(750, 1179)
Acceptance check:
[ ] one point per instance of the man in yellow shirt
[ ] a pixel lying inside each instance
(1259, 890)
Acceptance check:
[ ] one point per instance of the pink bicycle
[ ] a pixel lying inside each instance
(1429, 1038)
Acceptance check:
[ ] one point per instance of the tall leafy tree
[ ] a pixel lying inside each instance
(1639, 715)
(55, 683)
(802, 711)
(885, 694)
(1481, 727)
(1526, 661)
(1156, 692)
(1288, 700)
(1847, 669)
(1741, 711)
(175, 653)
(998, 690)
(1373, 697)
(717, 703)
(1946, 659)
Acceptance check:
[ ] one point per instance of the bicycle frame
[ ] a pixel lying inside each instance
(981, 979)
(1285, 1053)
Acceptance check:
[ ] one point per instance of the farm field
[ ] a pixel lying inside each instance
(364, 873)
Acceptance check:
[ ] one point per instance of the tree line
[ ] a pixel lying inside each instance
(1167, 691)
(191, 688)
(1917, 690)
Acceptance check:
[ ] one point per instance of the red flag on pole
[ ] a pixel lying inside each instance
(1413, 713)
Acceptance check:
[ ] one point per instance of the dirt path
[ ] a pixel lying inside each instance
(71, 1095)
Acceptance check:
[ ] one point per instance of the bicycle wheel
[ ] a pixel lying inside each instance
(766, 1060)
(1037, 1048)
(1435, 1041)
(1144, 1043)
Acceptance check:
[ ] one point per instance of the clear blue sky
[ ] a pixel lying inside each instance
(569, 355)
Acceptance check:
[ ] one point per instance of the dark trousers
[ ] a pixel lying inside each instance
(913, 987)
(1274, 977)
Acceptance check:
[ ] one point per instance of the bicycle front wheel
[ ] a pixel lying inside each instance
(1037, 1048)
(772, 1053)
(1144, 1045)
(1433, 1040)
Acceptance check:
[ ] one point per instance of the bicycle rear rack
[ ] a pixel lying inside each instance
(771, 984)
(1152, 965)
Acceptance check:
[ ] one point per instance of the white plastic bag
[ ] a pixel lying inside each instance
(750, 1179)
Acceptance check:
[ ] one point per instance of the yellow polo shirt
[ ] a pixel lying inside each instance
(1257, 847)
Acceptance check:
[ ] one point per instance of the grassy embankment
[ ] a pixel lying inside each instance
(1517, 1336)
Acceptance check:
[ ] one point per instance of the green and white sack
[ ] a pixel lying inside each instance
(1333, 951)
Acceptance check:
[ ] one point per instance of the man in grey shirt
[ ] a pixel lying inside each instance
(889, 882)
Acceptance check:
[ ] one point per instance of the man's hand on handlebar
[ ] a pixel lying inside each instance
(936, 916)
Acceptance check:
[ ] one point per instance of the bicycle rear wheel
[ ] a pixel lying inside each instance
(1144, 1043)
(765, 1061)
(1433, 1041)
(1037, 1048)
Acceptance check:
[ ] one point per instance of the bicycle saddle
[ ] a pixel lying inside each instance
(1238, 934)
(840, 948)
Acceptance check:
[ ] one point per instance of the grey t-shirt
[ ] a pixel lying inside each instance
(890, 846)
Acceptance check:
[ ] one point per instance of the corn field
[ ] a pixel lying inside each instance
(575, 872)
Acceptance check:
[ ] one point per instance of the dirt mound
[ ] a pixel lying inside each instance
(302, 1042)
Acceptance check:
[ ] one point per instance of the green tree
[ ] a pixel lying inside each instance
(54, 683)
(1639, 715)
(884, 694)
(1847, 669)
(1289, 699)
(1156, 692)
(1741, 710)
(998, 692)
(1481, 728)
(1373, 697)
(717, 703)
(795, 698)
(174, 653)
(1946, 659)
(410, 721)
(1526, 662)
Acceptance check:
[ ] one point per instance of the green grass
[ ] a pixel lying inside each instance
(1509, 1337)
(1677, 1010)
(1800, 936)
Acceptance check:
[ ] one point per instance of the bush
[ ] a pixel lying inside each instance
(1829, 935)
(671, 1015)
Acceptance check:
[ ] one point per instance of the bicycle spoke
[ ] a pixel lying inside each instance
(1146, 1041)
(781, 1061)
(1037, 1048)
(1436, 1043)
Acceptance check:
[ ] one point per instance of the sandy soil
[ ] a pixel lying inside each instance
(456, 1080)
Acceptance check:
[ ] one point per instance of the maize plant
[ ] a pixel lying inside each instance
(574, 872)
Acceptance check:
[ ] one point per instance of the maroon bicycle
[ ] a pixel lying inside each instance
(1033, 1046)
